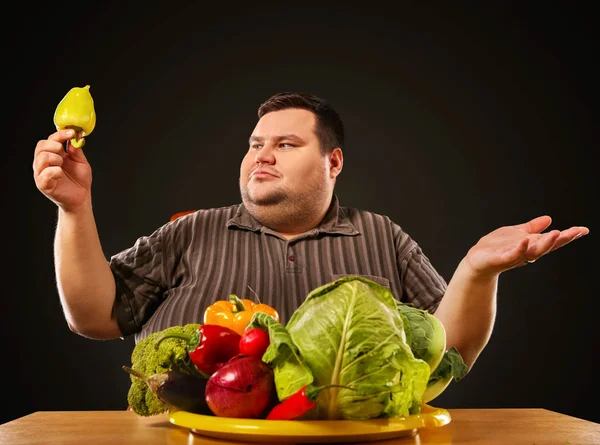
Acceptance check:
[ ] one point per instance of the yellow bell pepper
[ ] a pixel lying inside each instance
(76, 111)
(236, 313)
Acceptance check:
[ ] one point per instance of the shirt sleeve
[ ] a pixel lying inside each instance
(140, 281)
(423, 286)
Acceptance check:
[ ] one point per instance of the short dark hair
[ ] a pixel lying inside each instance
(329, 127)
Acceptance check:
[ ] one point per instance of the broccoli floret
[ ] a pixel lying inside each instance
(171, 354)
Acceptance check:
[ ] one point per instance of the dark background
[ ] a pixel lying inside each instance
(459, 120)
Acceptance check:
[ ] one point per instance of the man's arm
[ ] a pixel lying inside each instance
(468, 308)
(468, 312)
(85, 282)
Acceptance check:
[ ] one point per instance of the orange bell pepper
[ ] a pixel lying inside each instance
(236, 313)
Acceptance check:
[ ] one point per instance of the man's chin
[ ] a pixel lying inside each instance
(267, 200)
(263, 199)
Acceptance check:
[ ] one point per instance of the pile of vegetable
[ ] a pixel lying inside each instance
(350, 351)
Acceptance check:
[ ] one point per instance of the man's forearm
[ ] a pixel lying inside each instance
(468, 312)
(84, 279)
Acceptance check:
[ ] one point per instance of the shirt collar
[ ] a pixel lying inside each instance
(335, 221)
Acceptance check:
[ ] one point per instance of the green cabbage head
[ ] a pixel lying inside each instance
(350, 333)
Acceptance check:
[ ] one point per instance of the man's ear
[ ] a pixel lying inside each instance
(336, 162)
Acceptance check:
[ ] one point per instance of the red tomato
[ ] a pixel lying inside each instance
(254, 342)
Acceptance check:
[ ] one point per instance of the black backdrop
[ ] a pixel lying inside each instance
(488, 113)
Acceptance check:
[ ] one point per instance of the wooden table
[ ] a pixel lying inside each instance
(468, 426)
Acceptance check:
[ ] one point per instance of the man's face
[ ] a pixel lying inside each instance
(284, 162)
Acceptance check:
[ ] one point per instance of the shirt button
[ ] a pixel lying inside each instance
(291, 258)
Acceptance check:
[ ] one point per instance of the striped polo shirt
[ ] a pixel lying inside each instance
(171, 276)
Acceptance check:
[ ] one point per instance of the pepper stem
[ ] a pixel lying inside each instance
(237, 303)
(78, 140)
(77, 143)
(187, 338)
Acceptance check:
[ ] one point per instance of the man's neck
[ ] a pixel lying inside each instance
(294, 230)
(293, 225)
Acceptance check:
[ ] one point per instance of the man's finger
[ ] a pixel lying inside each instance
(536, 225)
(46, 180)
(54, 143)
(568, 235)
(46, 159)
(61, 135)
(543, 245)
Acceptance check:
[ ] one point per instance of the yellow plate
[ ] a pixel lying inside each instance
(309, 431)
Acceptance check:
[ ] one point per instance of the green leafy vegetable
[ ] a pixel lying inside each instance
(425, 334)
(349, 332)
(451, 367)
(427, 338)
(145, 358)
(291, 373)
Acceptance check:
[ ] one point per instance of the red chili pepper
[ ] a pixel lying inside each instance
(298, 403)
(210, 346)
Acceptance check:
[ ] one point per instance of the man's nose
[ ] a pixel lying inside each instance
(266, 155)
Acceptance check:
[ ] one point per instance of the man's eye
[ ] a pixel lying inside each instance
(255, 146)
(286, 145)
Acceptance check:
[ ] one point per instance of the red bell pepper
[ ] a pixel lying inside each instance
(210, 346)
(298, 403)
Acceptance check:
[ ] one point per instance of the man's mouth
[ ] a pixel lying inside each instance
(261, 173)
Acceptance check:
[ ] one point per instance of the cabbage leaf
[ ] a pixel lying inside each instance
(289, 369)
